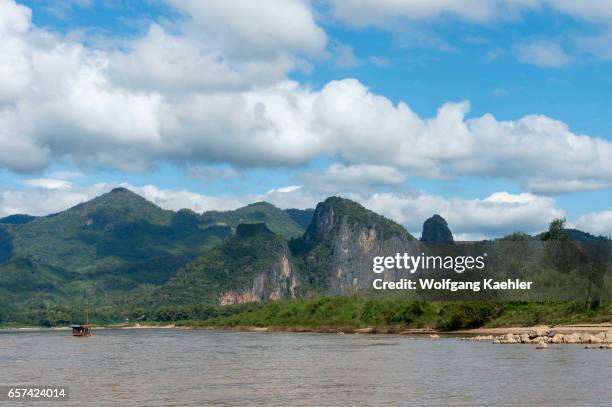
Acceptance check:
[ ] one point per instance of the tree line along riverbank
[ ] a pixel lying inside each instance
(328, 314)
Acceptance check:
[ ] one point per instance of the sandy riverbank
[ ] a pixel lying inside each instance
(93, 327)
(541, 335)
(558, 329)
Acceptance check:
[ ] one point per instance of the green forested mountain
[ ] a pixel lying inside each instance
(252, 265)
(114, 245)
(302, 217)
(111, 232)
(17, 219)
(260, 212)
(132, 258)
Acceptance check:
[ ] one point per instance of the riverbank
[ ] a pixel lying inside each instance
(592, 335)
(94, 327)
(386, 315)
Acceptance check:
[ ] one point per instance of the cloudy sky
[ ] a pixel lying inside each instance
(496, 114)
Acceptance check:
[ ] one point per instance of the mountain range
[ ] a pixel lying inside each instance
(122, 252)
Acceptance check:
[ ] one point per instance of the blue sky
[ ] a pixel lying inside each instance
(494, 113)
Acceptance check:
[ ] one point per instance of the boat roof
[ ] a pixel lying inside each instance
(79, 326)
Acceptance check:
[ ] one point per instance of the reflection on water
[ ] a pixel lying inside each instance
(193, 368)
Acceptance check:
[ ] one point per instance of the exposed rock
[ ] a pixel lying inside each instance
(557, 338)
(279, 281)
(368, 330)
(480, 338)
(435, 229)
(586, 338)
(601, 338)
(510, 338)
(342, 240)
(572, 338)
(540, 330)
(542, 345)
(259, 329)
(233, 297)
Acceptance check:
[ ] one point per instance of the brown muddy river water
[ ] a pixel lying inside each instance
(166, 367)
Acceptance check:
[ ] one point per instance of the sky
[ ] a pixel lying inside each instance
(496, 114)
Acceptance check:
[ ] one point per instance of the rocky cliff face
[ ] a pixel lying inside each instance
(275, 282)
(343, 239)
(435, 229)
(253, 265)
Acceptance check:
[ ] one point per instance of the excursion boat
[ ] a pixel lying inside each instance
(81, 330)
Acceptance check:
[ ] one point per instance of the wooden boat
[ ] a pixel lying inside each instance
(81, 330)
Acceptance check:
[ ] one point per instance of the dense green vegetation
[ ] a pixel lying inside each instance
(323, 313)
(279, 222)
(356, 215)
(231, 266)
(133, 261)
(385, 312)
(17, 219)
(302, 217)
(111, 245)
(119, 246)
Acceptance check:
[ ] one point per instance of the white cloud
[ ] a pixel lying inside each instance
(499, 92)
(591, 10)
(85, 105)
(366, 12)
(493, 216)
(379, 61)
(66, 175)
(344, 57)
(161, 61)
(597, 223)
(42, 198)
(210, 173)
(254, 28)
(542, 53)
(599, 45)
(546, 186)
(179, 199)
(43, 201)
(360, 178)
(370, 129)
(47, 183)
(379, 12)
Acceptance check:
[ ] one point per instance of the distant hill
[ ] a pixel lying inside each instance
(276, 219)
(117, 246)
(257, 264)
(577, 236)
(302, 217)
(128, 254)
(335, 252)
(253, 265)
(113, 244)
(110, 232)
(435, 229)
(17, 219)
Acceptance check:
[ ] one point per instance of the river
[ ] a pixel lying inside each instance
(155, 367)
